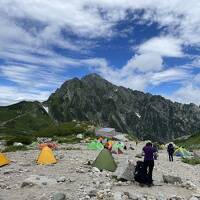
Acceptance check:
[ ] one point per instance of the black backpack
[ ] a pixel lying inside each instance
(139, 175)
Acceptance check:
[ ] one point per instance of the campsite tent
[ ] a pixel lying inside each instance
(118, 145)
(182, 152)
(162, 147)
(95, 145)
(3, 160)
(117, 148)
(46, 156)
(105, 161)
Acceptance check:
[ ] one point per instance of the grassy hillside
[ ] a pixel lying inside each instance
(193, 142)
(23, 117)
(63, 133)
(63, 129)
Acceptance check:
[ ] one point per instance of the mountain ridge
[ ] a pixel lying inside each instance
(93, 98)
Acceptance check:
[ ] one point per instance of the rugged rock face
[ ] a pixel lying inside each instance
(149, 116)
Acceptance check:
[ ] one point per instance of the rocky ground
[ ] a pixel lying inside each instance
(71, 178)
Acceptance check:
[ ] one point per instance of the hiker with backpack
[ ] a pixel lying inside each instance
(170, 150)
(149, 152)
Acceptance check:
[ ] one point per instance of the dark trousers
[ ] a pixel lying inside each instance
(171, 159)
(148, 170)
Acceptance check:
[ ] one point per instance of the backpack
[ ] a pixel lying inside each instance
(170, 148)
(139, 175)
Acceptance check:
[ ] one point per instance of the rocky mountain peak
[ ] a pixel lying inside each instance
(148, 116)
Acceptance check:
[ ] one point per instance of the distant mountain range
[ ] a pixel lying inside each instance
(95, 99)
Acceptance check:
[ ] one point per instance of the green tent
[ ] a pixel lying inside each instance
(118, 148)
(95, 145)
(105, 161)
(118, 145)
(182, 152)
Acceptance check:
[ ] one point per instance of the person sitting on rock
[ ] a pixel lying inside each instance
(170, 150)
(149, 152)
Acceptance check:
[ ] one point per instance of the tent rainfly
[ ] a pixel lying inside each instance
(182, 152)
(105, 161)
(95, 145)
(3, 160)
(46, 157)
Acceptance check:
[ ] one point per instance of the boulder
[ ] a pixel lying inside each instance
(189, 185)
(196, 154)
(118, 196)
(172, 179)
(195, 197)
(17, 144)
(79, 136)
(125, 171)
(34, 180)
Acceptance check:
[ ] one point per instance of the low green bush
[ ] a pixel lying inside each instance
(24, 139)
(68, 140)
(14, 148)
(191, 143)
(64, 129)
(191, 161)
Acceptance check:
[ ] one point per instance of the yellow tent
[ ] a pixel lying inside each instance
(46, 157)
(3, 160)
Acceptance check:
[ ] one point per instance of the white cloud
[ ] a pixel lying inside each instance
(129, 76)
(169, 75)
(144, 63)
(11, 94)
(187, 94)
(30, 28)
(164, 46)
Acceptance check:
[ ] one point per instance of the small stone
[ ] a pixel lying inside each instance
(172, 179)
(61, 179)
(175, 198)
(27, 184)
(95, 169)
(193, 198)
(92, 193)
(118, 196)
(58, 196)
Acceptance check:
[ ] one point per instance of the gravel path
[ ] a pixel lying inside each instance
(80, 178)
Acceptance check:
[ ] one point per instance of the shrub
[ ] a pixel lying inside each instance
(68, 140)
(26, 140)
(64, 129)
(191, 161)
(14, 148)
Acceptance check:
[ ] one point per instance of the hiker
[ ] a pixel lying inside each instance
(156, 153)
(149, 152)
(170, 150)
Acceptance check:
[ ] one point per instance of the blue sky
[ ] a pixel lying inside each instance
(147, 45)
